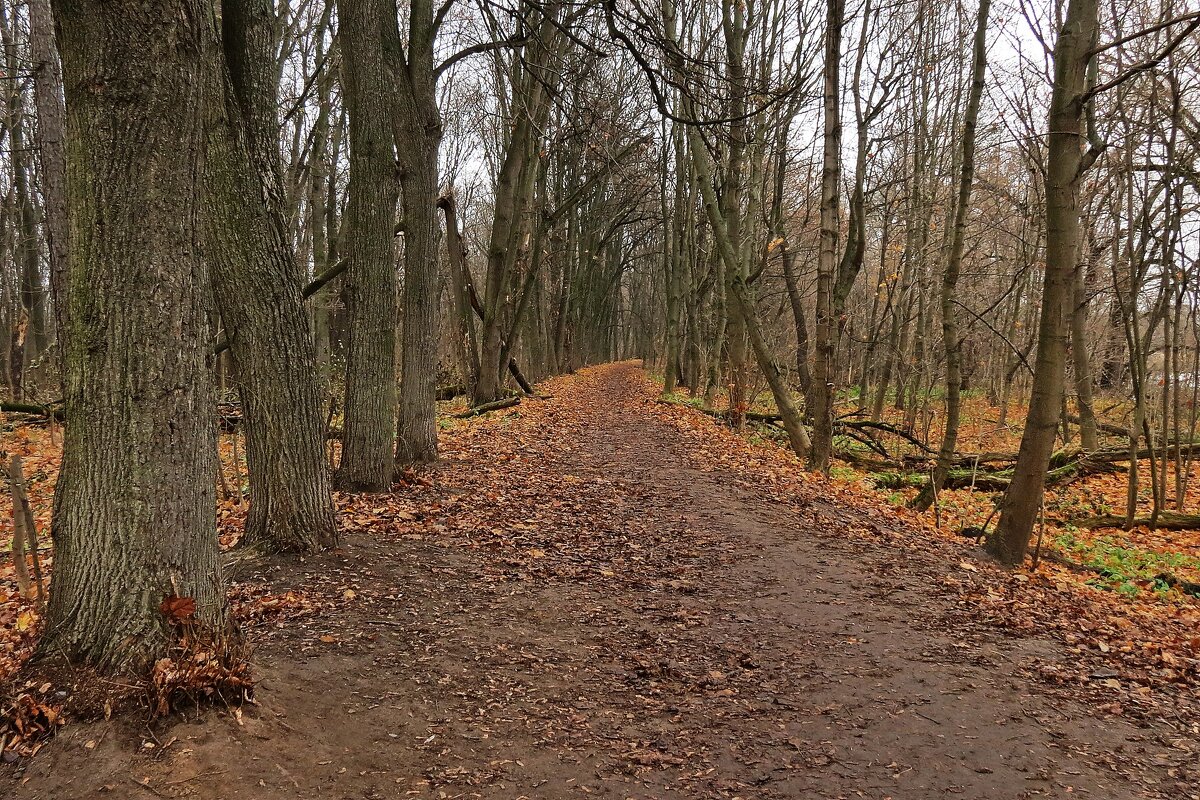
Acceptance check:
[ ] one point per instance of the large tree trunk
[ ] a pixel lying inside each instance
(370, 409)
(135, 506)
(257, 285)
(1064, 167)
(417, 127)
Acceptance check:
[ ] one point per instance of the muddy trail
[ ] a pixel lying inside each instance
(575, 603)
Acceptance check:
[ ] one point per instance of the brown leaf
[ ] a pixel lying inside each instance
(178, 609)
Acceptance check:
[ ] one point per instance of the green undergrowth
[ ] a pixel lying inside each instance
(1122, 569)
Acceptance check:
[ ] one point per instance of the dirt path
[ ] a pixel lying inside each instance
(615, 622)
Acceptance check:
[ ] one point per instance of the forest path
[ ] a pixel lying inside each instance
(573, 606)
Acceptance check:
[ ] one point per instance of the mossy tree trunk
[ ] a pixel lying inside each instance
(135, 506)
(257, 285)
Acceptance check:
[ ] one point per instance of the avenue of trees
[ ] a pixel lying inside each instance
(340, 212)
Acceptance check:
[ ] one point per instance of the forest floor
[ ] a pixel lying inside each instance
(596, 594)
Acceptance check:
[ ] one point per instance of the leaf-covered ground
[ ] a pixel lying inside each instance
(596, 594)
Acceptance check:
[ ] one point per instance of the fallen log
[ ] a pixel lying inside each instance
(33, 409)
(863, 425)
(1115, 430)
(450, 392)
(979, 459)
(1187, 587)
(991, 480)
(863, 461)
(484, 408)
(955, 479)
(1167, 521)
(969, 470)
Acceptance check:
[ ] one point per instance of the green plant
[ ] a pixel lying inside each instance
(843, 472)
(1122, 569)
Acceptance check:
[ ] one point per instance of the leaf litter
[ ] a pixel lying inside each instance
(597, 593)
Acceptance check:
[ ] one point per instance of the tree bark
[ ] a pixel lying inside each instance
(951, 340)
(460, 280)
(135, 502)
(257, 286)
(370, 290)
(1018, 509)
(821, 396)
(417, 128)
(1089, 432)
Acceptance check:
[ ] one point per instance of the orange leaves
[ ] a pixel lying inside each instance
(178, 610)
(253, 609)
(1145, 644)
(200, 669)
(28, 722)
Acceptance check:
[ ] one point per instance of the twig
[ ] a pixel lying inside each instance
(148, 787)
(24, 524)
(207, 774)
(925, 716)
(937, 512)
(237, 473)
(1037, 549)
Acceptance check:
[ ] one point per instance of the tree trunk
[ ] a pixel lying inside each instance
(51, 113)
(821, 402)
(1064, 166)
(466, 342)
(951, 339)
(257, 286)
(135, 502)
(789, 413)
(417, 128)
(370, 289)
(803, 377)
(1089, 433)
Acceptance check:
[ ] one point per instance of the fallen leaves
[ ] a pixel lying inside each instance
(1149, 640)
(548, 589)
(200, 668)
(29, 721)
(178, 610)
